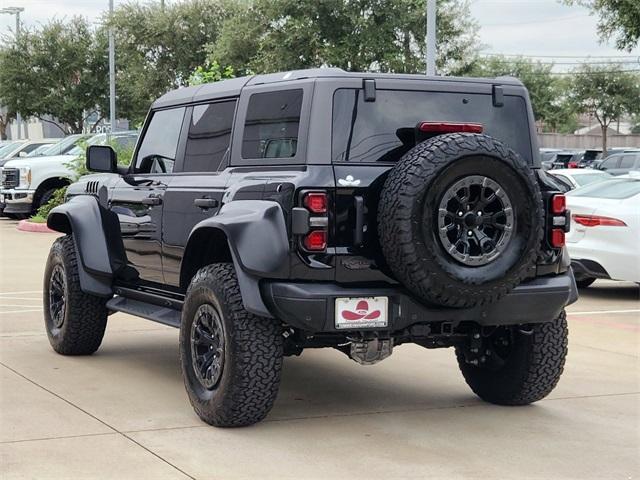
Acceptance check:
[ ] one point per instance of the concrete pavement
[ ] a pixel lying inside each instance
(123, 413)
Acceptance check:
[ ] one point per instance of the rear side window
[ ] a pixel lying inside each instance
(209, 136)
(271, 126)
(383, 130)
(627, 161)
(612, 189)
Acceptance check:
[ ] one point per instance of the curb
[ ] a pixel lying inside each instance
(27, 226)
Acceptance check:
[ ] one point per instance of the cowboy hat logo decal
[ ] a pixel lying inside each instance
(361, 313)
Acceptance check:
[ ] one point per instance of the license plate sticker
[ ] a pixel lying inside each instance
(361, 312)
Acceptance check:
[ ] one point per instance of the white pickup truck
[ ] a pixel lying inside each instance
(27, 183)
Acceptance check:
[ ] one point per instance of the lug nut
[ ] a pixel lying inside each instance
(476, 335)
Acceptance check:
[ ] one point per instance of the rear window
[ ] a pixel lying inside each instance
(612, 189)
(588, 178)
(382, 131)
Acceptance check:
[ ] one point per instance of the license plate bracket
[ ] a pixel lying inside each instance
(361, 312)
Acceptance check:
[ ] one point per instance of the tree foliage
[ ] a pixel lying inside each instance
(157, 50)
(361, 35)
(549, 93)
(607, 93)
(210, 72)
(59, 70)
(619, 19)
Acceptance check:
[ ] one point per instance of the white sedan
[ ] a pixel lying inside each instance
(579, 177)
(604, 241)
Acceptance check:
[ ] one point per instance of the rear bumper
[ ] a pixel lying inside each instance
(311, 306)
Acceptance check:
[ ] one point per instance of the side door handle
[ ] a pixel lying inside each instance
(205, 202)
(152, 200)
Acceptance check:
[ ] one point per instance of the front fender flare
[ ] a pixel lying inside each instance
(82, 218)
(257, 236)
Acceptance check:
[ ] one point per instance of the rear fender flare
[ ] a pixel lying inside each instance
(257, 238)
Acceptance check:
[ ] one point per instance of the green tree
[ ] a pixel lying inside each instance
(57, 70)
(364, 35)
(619, 19)
(548, 92)
(158, 50)
(210, 72)
(607, 93)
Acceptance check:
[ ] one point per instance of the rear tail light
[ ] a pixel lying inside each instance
(596, 220)
(316, 202)
(558, 204)
(557, 238)
(315, 228)
(559, 220)
(572, 165)
(449, 127)
(315, 241)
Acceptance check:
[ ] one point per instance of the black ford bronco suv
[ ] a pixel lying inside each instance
(268, 214)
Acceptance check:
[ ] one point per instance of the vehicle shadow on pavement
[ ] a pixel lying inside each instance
(612, 291)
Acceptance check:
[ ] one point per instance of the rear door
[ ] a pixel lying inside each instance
(197, 187)
(138, 197)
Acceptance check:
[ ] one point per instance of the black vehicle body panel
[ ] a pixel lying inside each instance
(245, 207)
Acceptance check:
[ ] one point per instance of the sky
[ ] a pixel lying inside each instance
(543, 28)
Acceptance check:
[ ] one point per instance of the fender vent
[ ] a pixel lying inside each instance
(92, 187)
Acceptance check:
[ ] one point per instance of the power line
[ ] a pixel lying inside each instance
(556, 56)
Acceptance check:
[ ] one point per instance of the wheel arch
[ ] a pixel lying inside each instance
(250, 233)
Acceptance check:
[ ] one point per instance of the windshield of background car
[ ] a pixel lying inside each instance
(612, 189)
(9, 147)
(63, 146)
(383, 130)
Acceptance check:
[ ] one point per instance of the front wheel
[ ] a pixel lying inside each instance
(231, 360)
(517, 366)
(75, 321)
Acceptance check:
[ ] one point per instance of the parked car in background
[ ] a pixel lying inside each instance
(621, 163)
(579, 177)
(28, 183)
(39, 152)
(604, 240)
(589, 156)
(547, 155)
(22, 148)
(567, 159)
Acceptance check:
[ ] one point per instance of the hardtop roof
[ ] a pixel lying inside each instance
(232, 87)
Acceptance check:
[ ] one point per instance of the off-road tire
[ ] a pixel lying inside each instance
(253, 352)
(43, 198)
(584, 282)
(531, 371)
(84, 315)
(408, 229)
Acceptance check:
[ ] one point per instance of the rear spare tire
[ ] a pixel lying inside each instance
(461, 220)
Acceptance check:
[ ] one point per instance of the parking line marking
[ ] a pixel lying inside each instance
(13, 305)
(21, 298)
(596, 312)
(20, 293)
(25, 310)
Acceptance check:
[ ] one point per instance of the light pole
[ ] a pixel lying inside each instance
(112, 74)
(431, 37)
(16, 11)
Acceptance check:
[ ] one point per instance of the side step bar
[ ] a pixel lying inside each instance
(156, 313)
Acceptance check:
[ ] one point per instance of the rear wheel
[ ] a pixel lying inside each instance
(515, 366)
(461, 220)
(75, 321)
(231, 359)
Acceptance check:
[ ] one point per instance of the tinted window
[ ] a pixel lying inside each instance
(627, 161)
(610, 162)
(30, 148)
(209, 136)
(157, 152)
(384, 130)
(271, 127)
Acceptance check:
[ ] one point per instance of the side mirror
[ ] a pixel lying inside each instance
(102, 159)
